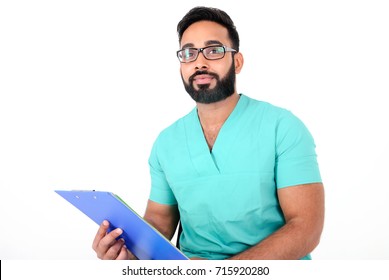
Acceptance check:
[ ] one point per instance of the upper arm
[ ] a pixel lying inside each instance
(163, 217)
(304, 205)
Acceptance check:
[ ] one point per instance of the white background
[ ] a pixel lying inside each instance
(86, 86)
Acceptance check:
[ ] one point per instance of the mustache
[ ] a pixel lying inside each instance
(203, 72)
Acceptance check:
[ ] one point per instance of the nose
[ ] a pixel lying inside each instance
(201, 62)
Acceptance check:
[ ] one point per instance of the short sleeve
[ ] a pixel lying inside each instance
(296, 159)
(160, 190)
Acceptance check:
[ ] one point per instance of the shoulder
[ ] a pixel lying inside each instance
(176, 130)
(269, 112)
(277, 122)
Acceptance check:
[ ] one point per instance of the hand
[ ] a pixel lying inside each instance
(107, 247)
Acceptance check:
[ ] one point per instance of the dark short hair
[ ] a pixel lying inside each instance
(211, 14)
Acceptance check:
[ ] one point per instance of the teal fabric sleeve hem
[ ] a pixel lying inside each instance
(307, 173)
(162, 197)
(160, 190)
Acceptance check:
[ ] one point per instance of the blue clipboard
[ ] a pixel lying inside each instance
(142, 239)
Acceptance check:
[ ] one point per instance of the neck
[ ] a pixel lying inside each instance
(215, 114)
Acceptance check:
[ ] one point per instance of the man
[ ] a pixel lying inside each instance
(241, 175)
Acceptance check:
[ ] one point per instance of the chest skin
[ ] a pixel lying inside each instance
(213, 116)
(211, 134)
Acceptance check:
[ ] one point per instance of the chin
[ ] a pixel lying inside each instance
(204, 87)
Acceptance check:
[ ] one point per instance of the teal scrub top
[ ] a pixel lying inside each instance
(227, 197)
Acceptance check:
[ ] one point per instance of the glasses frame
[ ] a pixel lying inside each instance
(201, 50)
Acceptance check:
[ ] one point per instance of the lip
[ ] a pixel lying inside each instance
(203, 79)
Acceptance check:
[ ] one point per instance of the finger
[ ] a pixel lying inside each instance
(131, 256)
(114, 250)
(108, 240)
(102, 231)
(124, 253)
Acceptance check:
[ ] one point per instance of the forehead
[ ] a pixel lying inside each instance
(203, 33)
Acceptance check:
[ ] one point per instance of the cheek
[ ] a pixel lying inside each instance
(185, 73)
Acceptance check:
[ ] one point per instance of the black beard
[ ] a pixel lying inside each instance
(223, 89)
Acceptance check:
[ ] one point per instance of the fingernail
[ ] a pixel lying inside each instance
(119, 231)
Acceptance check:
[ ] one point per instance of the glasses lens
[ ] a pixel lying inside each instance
(214, 52)
(187, 55)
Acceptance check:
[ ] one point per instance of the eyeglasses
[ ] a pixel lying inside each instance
(211, 53)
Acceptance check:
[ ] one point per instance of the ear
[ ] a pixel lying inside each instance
(238, 59)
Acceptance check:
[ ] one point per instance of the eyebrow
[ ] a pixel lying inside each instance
(207, 43)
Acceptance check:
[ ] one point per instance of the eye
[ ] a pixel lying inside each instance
(188, 53)
(216, 50)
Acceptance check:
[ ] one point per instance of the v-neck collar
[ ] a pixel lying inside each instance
(208, 162)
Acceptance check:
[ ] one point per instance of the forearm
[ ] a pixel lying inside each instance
(163, 217)
(291, 242)
(166, 230)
